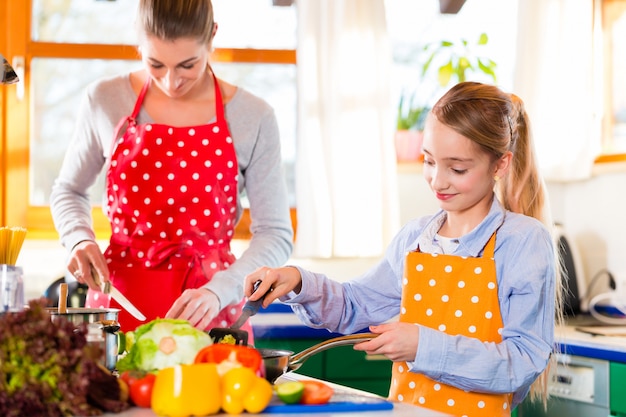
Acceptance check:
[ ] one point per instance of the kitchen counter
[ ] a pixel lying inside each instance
(591, 339)
(398, 410)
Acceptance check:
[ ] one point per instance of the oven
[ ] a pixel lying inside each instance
(578, 388)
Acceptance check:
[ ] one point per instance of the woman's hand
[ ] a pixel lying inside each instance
(86, 263)
(397, 341)
(197, 305)
(275, 282)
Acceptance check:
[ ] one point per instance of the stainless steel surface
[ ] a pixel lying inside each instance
(109, 289)
(579, 387)
(102, 327)
(278, 362)
(123, 301)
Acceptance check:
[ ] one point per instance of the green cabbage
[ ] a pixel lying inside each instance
(162, 343)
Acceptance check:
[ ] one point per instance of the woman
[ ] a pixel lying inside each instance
(187, 145)
(473, 287)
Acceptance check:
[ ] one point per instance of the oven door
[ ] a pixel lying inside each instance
(578, 388)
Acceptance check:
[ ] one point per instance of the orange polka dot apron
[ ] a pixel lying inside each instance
(171, 201)
(459, 296)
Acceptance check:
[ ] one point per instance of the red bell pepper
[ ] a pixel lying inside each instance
(235, 355)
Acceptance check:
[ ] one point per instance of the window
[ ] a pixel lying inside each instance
(73, 43)
(614, 42)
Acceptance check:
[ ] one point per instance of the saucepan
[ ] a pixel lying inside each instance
(102, 326)
(278, 361)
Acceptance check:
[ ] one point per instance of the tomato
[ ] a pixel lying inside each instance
(220, 352)
(141, 390)
(130, 377)
(315, 392)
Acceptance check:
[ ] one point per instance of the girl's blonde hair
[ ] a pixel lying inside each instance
(498, 123)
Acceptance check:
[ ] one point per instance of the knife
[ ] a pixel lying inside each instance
(109, 289)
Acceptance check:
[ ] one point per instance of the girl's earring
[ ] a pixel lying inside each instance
(496, 178)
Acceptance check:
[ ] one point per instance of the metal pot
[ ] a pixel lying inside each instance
(102, 328)
(278, 361)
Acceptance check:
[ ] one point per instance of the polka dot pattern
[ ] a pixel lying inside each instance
(457, 296)
(172, 202)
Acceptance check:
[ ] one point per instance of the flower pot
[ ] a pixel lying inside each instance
(408, 145)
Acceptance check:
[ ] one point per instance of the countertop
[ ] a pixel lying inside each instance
(399, 409)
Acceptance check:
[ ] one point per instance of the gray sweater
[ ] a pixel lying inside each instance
(254, 130)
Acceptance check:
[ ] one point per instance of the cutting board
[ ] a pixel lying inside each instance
(339, 403)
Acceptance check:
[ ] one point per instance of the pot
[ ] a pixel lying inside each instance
(278, 362)
(102, 328)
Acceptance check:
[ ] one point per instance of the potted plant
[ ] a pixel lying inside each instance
(409, 128)
(454, 62)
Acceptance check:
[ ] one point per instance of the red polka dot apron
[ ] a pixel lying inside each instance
(459, 296)
(171, 201)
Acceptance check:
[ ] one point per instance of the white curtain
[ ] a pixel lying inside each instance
(556, 78)
(345, 169)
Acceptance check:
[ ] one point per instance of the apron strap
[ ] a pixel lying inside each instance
(219, 106)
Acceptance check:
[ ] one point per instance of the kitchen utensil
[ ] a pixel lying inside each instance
(102, 328)
(249, 309)
(278, 361)
(109, 289)
(62, 307)
(11, 289)
(348, 404)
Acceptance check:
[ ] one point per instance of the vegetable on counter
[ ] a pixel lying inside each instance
(243, 390)
(316, 393)
(162, 343)
(228, 356)
(187, 390)
(307, 392)
(47, 368)
(140, 386)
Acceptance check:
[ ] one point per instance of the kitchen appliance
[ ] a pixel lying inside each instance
(575, 300)
(579, 387)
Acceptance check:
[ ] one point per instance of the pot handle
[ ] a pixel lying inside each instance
(298, 359)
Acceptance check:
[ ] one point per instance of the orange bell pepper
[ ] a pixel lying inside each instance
(187, 390)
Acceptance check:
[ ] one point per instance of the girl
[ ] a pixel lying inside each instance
(463, 301)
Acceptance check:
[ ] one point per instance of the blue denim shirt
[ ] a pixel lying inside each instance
(526, 273)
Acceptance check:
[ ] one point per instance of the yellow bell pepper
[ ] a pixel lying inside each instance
(243, 390)
(187, 390)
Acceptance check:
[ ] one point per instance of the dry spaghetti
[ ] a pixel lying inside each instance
(11, 240)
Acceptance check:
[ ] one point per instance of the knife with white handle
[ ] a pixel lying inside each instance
(109, 289)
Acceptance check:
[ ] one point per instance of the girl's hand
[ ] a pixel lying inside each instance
(275, 282)
(397, 341)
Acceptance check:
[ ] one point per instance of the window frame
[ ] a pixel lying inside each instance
(17, 42)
